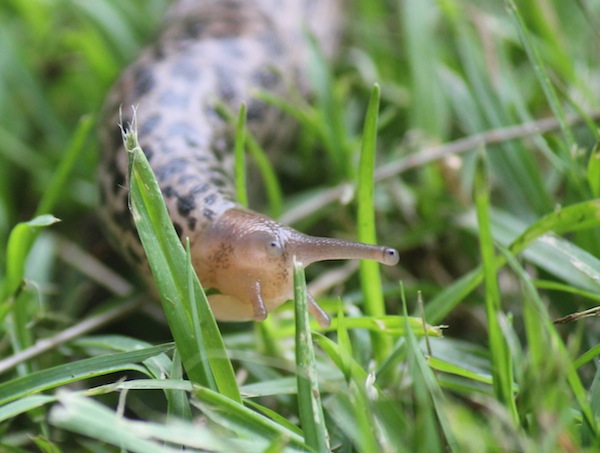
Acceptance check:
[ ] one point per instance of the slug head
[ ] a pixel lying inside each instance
(249, 258)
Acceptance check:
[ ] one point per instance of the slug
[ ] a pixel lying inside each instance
(211, 53)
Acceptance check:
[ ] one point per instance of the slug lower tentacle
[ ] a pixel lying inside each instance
(209, 54)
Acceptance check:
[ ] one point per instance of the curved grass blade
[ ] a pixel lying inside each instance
(20, 241)
(198, 338)
(538, 320)
(83, 415)
(500, 354)
(77, 371)
(369, 270)
(241, 420)
(535, 244)
(240, 157)
(312, 419)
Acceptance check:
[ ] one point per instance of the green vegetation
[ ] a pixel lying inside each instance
(479, 119)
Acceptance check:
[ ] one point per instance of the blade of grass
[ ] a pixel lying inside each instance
(20, 241)
(542, 75)
(428, 112)
(77, 371)
(539, 320)
(355, 405)
(329, 114)
(178, 402)
(428, 394)
(569, 218)
(312, 419)
(593, 171)
(369, 270)
(60, 180)
(240, 157)
(83, 415)
(198, 338)
(242, 420)
(24, 404)
(269, 176)
(500, 355)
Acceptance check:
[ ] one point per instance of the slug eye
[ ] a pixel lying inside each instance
(274, 246)
(268, 243)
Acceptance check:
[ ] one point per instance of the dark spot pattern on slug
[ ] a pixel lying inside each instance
(194, 29)
(209, 214)
(187, 178)
(219, 182)
(170, 168)
(227, 89)
(148, 152)
(213, 170)
(171, 98)
(146, 127)
(219, 149)
(273, 47)
(143, 81)
(231, 47)
(185, 69)
(168, 192)
(178, 229)
(192, 223)
(158, 51)
(266, 77)
(210, 199)
(185, 204)
(200, 188)
(185, 131)
(256, 110)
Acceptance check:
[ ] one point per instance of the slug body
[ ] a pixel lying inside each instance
(211, 53)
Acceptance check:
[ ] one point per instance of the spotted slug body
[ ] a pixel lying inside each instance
(211, 53)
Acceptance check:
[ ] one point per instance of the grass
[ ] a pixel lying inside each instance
(496, 221)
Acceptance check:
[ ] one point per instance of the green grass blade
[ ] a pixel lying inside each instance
(359, 412)
(345, 345)
(593, 171)
(270, 180)
(428, 105)
(429, 397)
(23, 405)
(178, 402)
(312, 419)
(369, 270)
(77, 371)
(553, 349)
(20, 241)
(242, 420)
(197, 338)
(273, 415)
(83, 415)
(542, 75)
(570, 218)
(60, 180)
(240, 157)
(500, 354)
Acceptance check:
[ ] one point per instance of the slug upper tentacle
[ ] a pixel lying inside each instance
(210, 53)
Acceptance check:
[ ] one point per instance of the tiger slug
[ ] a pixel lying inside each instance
(209, 53)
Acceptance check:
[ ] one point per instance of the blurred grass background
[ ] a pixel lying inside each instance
(468, 226)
